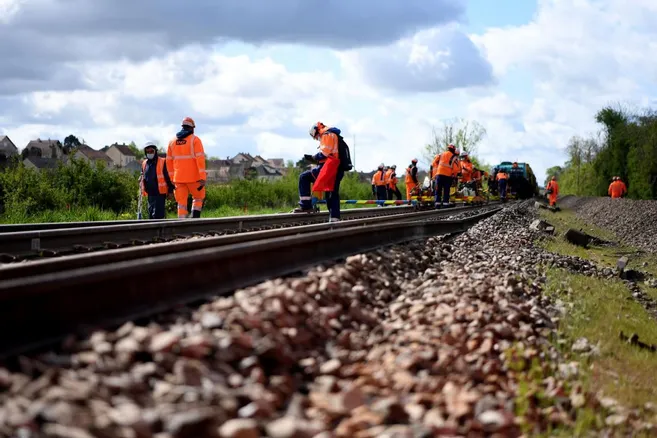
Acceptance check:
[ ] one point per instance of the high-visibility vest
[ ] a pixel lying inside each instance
(380, 179)
(159, 171)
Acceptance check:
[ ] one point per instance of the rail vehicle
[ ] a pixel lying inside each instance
(460, 194)
(522, 181)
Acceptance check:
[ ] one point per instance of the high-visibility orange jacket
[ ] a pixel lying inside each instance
(502, 175)
(411, 176)
(445, 164)
(616, 189)
(387, 177)
(186, 158)
(466, 171)
(623, 186)
(378, 179)
(552, 185)
(393, 181)
(162, 186)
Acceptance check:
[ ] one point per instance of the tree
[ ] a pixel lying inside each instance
(71, 142)
(552, 171)
(139, 153)
(464, 134)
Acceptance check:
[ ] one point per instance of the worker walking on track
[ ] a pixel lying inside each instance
(392, 185)
(379, 184)
(445, 167)
(155, 182)
(411, 178)
(327, 175)
(552, 190)
(502, 180)
(388, 175)
(186, 161)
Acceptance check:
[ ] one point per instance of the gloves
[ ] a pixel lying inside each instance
(373, 190)
(201, 183)
(309, 158)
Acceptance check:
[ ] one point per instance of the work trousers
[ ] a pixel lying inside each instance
(443, 185)
(156, 206)
(393, 192)
(182, 192)
(333, 198)
(409, 187)
(381, 193)
(305, 180)
(501, 185)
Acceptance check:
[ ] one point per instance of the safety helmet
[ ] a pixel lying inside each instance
(451, 147)
(150, 144)
(381, 166)
(465, 155)
(393, 167)
(188, 121)
(414, 160)
(457, 152)
(314, 130)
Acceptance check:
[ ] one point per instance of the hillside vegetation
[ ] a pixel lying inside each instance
(80, 191)
(626, 146)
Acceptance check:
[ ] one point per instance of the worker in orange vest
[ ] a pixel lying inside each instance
(552, 191)
(617, 188)
(379, 184)
(392, 185)
(411, 178)
(155, 182)
(445, 167)
(388, 175)
(502, 180)
(186, 162)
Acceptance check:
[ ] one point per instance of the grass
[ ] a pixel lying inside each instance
(599, 310)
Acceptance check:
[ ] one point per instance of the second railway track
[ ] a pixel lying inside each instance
(37, 241)
(51, 298)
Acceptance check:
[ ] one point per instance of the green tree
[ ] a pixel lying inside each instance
(464, 134)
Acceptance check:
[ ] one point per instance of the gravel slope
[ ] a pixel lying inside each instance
(634, 222)
(407, 341)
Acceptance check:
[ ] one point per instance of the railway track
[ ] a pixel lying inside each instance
(42, 301)
(36, 240)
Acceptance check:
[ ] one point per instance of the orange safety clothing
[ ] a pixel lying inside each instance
(554, 186)
(186, 159)
(446, 164)
(182, 192)
(387, 176)
(623, 186)
(466, 171)
(379, 178)
(410, 183)
(392, 181)
(616, 189)
(502, 175)
(328, 144)
(159, 171)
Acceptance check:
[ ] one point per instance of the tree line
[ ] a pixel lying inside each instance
(625, 146)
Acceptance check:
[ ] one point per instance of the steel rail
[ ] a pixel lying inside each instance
(42, 308)
(85, 239)
(49, 265)
(43, 226)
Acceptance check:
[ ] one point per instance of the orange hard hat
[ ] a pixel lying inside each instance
(451, 146)
(414, 160)
(188, 121)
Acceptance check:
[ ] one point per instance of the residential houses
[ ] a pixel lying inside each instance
(8, 150)
(46, 154)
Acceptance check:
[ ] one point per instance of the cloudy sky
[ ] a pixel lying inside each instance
(255, 74)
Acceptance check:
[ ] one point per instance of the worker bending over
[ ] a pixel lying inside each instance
(392, 184)
(155, 182)
(411, 178)
(186, 161)
(552, 191)
(327, 175)
(467, 170)
(445, 167)
(502, 180)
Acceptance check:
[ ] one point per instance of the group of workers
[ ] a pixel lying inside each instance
(182, 174)
(384, 183)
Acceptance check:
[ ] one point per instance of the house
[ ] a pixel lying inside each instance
(242, 157)
(267, 173)
(7, 150)
(40, 163)
(276, 163)
(86, 153)
(45, 148)
(121, 154)
(132, 166)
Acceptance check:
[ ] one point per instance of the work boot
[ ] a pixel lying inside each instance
(303, 210)
(437, 205)
(196, 214)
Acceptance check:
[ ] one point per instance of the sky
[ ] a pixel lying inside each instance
(255, 75)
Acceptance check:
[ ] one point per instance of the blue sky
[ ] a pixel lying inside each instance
(533, 73)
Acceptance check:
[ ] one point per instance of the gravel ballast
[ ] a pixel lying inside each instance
(632, 221)
(407, 341)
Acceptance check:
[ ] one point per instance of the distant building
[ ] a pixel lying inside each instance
(45, 148)
(8, 150)
(40, 163)
(86, 153)
(121, 154)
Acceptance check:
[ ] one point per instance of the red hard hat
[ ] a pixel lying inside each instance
(188, 121)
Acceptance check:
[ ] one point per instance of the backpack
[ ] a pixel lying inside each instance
(344, 155)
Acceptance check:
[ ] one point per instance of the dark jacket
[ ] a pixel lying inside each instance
(150, 177)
